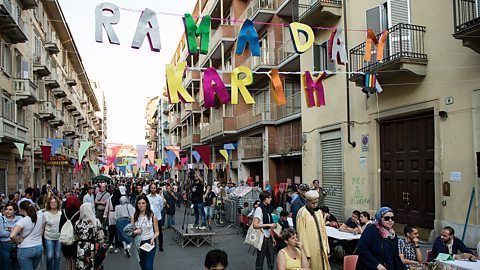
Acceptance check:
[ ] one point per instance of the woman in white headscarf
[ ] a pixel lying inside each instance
(88, 232)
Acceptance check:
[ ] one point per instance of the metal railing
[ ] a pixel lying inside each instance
(466, 13)
(285, 51)
(302, 9)
(267, 59)
(293, 106)
(257, 114)
(22, 87)
(285, 145)
(405, 41)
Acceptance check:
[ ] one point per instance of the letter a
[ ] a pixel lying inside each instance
(248, 34)
(152, 32)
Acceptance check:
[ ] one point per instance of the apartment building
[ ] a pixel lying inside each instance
(268, 136)
(46, 93)
(163, 127)
(151, 113)
(414, 146)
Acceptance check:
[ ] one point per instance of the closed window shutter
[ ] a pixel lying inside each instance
(399, 12)
(316, 57)
(332, 172)
(373, 19)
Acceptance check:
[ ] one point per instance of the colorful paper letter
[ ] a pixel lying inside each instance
(106, 22)
(379, 44)
(248, 34)
(241, 85)
(295, 29)
(192, 32)
(174, 82)
(213, 84)
(311, 86)
(336, 48)
(277, 88)
(152, 32)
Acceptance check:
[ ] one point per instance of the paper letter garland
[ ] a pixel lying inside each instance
(55, 144)
(316, 86)
(192, 32)
(224, 154)
(174, 82)
(204, 152)
(196, 155)
(20, 147)
(248, 34)
(106, 22)
(213, 84)
(371, 38)
(297, 28)
(336, 48)
(241, 85)
(140, 153)
(152, 32)
(94, 167)
(84, 145)
(171, 158)
(151, 156)
(277, 88)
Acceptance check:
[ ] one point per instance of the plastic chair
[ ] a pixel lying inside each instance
(243, 224)
(350, 262)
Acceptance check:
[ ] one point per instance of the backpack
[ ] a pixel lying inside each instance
(67, 237)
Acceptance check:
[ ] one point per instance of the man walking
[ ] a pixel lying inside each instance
(312, 232)
(100, 201)
(299, 202)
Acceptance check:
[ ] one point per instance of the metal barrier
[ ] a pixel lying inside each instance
(231, 211)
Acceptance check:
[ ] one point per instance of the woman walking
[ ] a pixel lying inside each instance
(123, 214)
(72, 213)
(88, 232)
(52, 216)
(262, 219)
(28, 233)
(378, 246)
(146, 225)
(109, 215)
(7, 223)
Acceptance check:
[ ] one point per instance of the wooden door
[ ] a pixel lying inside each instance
(407, 169)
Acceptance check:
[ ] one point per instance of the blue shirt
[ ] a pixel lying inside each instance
(6, 226)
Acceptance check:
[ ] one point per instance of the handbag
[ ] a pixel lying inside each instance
(254, 237)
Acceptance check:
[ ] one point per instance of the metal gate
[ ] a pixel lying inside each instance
(332, 172)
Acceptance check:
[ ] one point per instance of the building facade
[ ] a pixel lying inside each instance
(46, 93)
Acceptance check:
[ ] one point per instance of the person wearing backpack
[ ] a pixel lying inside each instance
(71, 214)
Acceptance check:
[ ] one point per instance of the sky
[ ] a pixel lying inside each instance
(127, 76)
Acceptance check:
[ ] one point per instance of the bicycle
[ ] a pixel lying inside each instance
(220, 217)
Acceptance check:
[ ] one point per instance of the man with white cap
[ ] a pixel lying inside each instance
(312, 232)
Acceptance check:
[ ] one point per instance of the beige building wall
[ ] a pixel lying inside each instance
(452, 71)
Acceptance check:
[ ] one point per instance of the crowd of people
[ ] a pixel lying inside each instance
(83, 224)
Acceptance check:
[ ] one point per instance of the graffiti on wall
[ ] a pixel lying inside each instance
(359, 197)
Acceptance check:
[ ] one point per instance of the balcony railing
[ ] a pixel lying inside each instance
(302, 9)
(25, 91)
(253, 116)
(208, 8)
(37, 142)
(41, 65)
(286, 144)
(267, 59)
(11, 131)
(285, 51)
(292, 107)
(467, 22)
(257, 6)
(69, 128)
(11, 23)
(46, 110)
(405, 42)
(29, 4)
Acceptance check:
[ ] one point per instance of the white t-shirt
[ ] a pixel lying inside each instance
(259, 214)
(52, 225)
(156, 204)
(32, 232)
(146, 223)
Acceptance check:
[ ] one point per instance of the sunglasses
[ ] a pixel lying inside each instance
(388, 218)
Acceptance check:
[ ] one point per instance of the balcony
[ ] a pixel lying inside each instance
(165, 108)
(37, 142)
(254, 117)
(76, 113)
(404, 56)
(291, 109)
(283, 146)
(288, 59)
(71, 82)
(11, 23)
(58, 120)
(261, 10)
(174, 123)
(52, 81)
(165, 126)
(41, 65)
(225, 34)
(69, 129)
(266, 61)
(188, 109)
(29, 4)
(467, 23)
(52, 47)
(66, 101)
(72, 107)
(83, 101)
(46, 110)
(12, 132)
(25, 92)
(209, 7)
(191, 75)
(220, 127)
(187, 141)
(250, 147)
(316, 12)
(59, 92)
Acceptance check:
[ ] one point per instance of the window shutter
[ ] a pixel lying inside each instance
(478, 8)
(25, 72)
(3, 181)
(373, 19)
(398, 12)
(316, 57)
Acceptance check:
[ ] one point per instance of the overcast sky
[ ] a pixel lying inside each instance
(127, 76)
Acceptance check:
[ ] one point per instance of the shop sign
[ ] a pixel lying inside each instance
(59, 160)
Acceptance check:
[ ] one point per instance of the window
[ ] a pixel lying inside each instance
(6, 61)
(21, 116)
(320, 58)
(37, 128)
(260, 103)
(18, 64)
(7, 108)
(37, 53)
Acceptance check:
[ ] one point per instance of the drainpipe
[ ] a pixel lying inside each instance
(347, 66)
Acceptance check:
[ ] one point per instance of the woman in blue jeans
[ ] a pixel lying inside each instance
(28, 233)
(52, 217)
(7, 223)
(147, 229)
